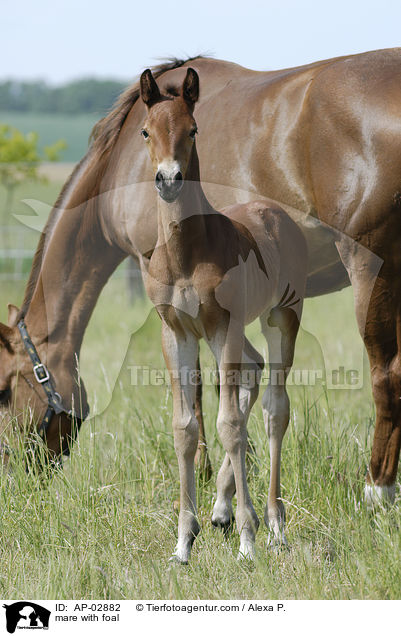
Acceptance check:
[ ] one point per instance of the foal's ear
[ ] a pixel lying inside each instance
(190, 87)
(13, 312)
(149, 89)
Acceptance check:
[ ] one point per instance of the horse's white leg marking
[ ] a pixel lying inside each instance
(181, 358)
(378, 494)
(223, 511)
(231, 425)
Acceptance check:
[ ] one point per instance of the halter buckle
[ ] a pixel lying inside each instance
(41, 373)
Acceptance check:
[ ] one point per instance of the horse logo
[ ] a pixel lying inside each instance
(26, 615)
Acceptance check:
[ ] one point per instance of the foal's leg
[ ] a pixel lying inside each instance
(252, 361)
(180, 354)
(231, 425)
(202, 456)
(280, 329)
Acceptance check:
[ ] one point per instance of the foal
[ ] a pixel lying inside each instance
(210, 274)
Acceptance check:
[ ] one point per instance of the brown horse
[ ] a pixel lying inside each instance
(210, 274)
(323, 140)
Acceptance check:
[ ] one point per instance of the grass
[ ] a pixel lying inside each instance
(105, 526)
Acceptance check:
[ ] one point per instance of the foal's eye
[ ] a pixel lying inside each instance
(193, 133)
(145, 134)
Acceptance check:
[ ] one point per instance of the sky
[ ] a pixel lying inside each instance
(59, 40)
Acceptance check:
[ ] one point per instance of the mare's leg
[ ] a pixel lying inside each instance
(180, 354)
(251, 368)
(202, 456)
(231, 425)
(378, 312)
(280, 329)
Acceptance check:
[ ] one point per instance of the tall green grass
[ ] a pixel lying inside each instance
(105, 526)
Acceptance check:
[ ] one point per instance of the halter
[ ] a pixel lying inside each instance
(42, 376)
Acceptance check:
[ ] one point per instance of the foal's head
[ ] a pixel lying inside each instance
(169, 131)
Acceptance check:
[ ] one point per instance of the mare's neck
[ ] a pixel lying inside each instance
(76, 265)
(182, 223)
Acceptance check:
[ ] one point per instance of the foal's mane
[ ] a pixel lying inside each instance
(102, 140)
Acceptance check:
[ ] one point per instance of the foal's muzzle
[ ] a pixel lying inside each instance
(168, 186)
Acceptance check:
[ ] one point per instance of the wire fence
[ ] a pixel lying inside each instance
(17, 249)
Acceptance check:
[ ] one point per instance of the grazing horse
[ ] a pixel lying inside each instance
(323, 140)
(210, 274)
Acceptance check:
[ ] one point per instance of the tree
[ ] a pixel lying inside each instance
(20, 161)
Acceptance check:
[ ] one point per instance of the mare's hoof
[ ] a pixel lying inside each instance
(376, 496)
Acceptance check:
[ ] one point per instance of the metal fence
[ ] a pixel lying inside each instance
(17, 249)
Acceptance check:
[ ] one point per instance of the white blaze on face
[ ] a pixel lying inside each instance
(169, 168)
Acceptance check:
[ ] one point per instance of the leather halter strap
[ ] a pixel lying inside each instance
(42, 376)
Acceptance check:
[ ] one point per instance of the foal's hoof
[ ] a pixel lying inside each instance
(225, 526)
(246, 553)
(278, 545)
(223, 517)
(176, 560)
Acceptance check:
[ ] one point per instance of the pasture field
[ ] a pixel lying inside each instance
(45, 192)
(75, 129)
(18, 235)
(105, 526)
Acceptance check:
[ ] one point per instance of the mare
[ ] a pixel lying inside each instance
(323, 140)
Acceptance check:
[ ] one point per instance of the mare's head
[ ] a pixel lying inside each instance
(169, 130)
(23, 401)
